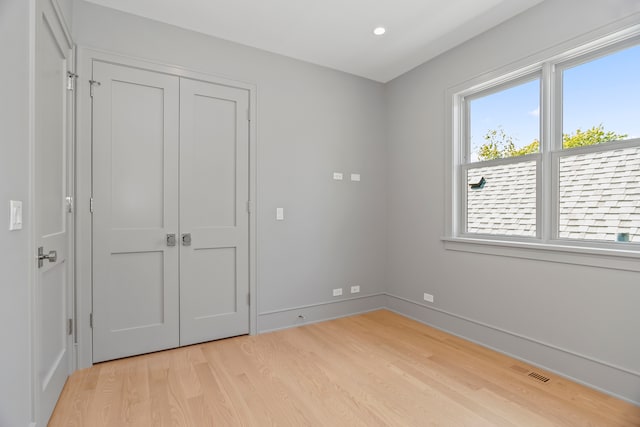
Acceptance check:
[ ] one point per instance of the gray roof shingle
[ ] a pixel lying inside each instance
(599, 197)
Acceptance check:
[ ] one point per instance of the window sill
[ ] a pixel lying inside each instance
(617, 259)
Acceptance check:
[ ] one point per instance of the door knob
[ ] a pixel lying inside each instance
(171, 239)
(52, 256)
(186, 239)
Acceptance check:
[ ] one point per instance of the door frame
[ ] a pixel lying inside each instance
(84, 299)
(54, 14)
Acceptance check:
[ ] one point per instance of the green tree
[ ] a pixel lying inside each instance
(499, 144)
(592, 136)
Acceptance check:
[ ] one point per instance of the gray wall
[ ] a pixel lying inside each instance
(66, 8)
(586, 311)
(14, 185)
(311, 121)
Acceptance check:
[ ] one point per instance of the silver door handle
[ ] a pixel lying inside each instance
(186, 239)
(52, 256)
(171, 239)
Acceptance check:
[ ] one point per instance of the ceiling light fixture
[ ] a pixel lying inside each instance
(378, 31)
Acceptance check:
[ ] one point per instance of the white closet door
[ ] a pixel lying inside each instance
(52, 152)
(214, 189)
(135, 191)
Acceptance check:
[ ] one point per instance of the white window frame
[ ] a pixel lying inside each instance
(546, 245)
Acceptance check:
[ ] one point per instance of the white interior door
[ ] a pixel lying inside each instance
(214, 190)
(135, 192)
(51, 217)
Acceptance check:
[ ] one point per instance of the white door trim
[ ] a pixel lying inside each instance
(85, 58)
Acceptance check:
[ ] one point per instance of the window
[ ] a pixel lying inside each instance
(551, 153)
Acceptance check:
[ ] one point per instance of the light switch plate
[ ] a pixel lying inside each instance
(337, 176)
(15, 215)
(355, 177)
(279, 214)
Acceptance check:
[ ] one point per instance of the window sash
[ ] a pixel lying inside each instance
(576, 58)
(556, 156)
(525, 76)
(464, 203)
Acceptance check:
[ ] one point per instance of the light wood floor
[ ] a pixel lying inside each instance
(375, 369)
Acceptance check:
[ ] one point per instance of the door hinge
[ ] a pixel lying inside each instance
(69, 326)
(91, 320)
(91, 205)
(71, 80)
(69, 201)
(92, 84)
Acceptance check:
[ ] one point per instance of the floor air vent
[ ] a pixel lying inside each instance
(539, 377)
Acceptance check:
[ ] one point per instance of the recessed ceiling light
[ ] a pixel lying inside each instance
(378, 31)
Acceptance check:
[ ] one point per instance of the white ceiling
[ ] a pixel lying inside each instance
(336, 33)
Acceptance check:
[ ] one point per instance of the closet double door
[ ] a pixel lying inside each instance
(170, 221)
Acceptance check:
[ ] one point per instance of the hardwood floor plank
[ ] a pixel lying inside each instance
(375, 369)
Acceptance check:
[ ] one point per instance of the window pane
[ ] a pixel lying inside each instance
(600, 195)
(505, 123)
(600, 100)
(504, 202)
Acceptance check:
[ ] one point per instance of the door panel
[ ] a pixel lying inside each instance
(216, 289)
(138, 289)
(214, 189)
(52, 221)
(137, 157)
(213, 159)
(135, 190)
